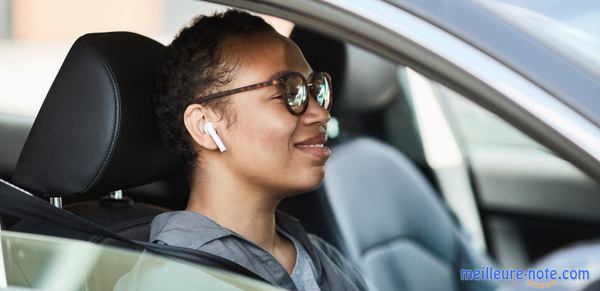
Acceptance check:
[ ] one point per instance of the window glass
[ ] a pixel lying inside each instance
(50, 263)
(511, 170)
(477, 126)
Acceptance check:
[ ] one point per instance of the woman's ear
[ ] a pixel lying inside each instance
(194, 118)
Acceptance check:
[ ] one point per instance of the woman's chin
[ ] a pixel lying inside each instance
(309, 184)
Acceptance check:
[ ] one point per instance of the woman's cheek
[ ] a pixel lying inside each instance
(277, 128)
(266, 127)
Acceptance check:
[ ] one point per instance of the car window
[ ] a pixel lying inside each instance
(50, 263)
(479, 162)
(512, 170)
(531, 200)
(477, 127)
(502, 184)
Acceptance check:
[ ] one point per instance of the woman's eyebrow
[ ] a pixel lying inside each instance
(278, 74)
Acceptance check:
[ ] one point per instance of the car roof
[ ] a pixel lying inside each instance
(549, 69)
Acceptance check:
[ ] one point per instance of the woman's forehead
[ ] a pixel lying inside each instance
(264, 57)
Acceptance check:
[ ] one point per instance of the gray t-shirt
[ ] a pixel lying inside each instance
(303, 273)
(194, 230)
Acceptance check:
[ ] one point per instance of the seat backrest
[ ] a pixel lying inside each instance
(392, 221)
(96, 133)
(388, 218)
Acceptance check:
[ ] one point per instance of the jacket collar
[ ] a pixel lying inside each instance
(186, 229)
(193, 230)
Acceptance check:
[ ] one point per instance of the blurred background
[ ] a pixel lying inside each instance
(35, 36)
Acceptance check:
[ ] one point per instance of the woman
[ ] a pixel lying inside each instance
(249, 116)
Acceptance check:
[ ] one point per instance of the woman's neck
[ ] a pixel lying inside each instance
(237, 207)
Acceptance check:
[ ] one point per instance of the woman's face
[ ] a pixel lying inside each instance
(267, 146)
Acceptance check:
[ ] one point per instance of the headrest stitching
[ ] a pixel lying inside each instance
(117, 123)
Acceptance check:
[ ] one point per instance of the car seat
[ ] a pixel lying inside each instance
(95, 135)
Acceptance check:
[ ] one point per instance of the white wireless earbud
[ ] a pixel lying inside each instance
(210, 129)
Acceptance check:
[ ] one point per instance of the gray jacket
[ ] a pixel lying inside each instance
(193, 230)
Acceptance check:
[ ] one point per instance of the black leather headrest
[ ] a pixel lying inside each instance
(96, 130)
(362, 81)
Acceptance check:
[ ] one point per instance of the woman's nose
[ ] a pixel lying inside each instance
(315, 113)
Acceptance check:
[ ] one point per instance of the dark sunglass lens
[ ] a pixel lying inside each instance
(295, 93)
(322, 90)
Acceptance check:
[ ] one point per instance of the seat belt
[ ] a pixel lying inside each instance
(19, 203)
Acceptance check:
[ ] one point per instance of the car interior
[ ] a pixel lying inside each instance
(94, 150)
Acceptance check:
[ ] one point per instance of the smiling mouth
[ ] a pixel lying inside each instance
(320, 145)
(320, 150)
(316, 146)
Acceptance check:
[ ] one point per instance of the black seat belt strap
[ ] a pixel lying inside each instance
(19, 203)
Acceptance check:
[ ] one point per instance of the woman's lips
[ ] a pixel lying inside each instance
(315, 146)
(320, 150)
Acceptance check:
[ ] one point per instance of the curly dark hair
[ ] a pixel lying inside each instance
(196, 64)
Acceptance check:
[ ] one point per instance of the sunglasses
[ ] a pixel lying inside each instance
(294, 90)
